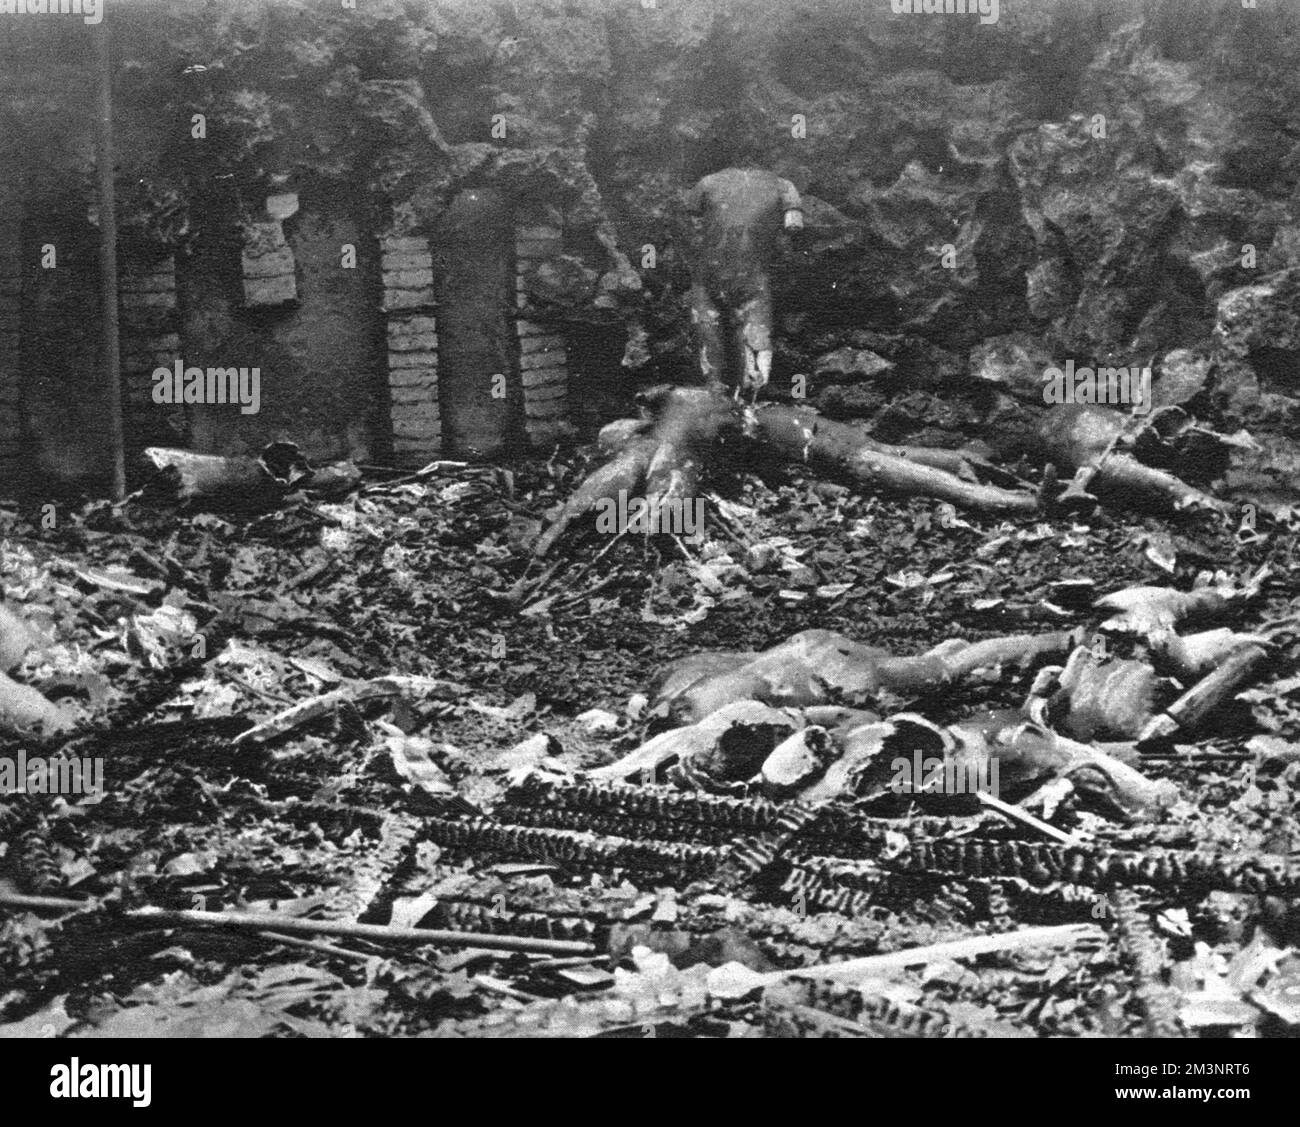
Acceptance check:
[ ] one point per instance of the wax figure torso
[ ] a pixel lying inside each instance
(743, 212)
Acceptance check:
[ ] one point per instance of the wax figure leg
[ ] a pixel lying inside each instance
(709, 338)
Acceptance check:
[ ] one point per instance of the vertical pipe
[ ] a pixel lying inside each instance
(108, 257)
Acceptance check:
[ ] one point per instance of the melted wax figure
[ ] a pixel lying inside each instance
(743, 212)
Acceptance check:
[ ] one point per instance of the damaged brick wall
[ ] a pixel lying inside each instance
(420, 403)
(11, 286)
(148, 339)
(412, 340)
(57, 429)
(349, 358)
(297, 299)
(542, 359)
(62, 393)
(481, 398)
(268, 267)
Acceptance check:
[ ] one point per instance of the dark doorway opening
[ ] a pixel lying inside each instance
(478, 379)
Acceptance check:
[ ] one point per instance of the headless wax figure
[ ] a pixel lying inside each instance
(743, 212)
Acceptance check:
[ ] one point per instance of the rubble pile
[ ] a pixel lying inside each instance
(835, 766)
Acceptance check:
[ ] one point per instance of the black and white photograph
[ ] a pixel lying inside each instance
(649, 520)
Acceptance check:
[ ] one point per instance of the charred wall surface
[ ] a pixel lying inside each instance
(1107, 175)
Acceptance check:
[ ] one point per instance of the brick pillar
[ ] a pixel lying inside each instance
(542, 359)
(412, 348)
(147, 301)
(11, 289)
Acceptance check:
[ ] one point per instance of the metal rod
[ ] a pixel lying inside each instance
(108, 258)
(269, 921)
